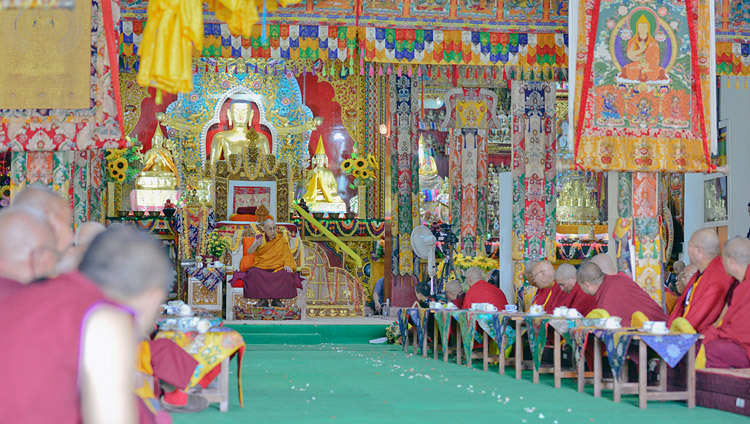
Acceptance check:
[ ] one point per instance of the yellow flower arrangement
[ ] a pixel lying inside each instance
(5, 191)
(462, 262)
(364, 169)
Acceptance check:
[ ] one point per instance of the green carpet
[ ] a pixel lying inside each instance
(360, 383)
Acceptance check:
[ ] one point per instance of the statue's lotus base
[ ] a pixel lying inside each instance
(325, 207)
(152, 200)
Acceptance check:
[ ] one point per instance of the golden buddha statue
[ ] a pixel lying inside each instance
(322, 188)
(159, 170)
(234, 141)
(428, 172)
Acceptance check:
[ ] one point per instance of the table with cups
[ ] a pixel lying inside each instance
(671, 348)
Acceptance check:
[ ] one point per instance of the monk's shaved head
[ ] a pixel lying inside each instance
(528, 271)
(565, 276)
(53, 207)
(453, 289)
(590, 277)
(86, 232)
(544, 275)
(605, 263)
(736, 257)
(472, 275)
(27, 245)
(703, 247)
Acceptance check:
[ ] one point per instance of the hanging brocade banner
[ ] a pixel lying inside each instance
(643, 85)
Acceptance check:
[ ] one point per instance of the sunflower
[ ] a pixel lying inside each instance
(360, 163)
(357, 173)
(121, 177)
(5, 191)
(373, 162)
(365, 174)
(114, 173)
(346, 166)
(120, 164)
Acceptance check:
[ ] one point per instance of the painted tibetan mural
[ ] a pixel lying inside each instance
(643, 86)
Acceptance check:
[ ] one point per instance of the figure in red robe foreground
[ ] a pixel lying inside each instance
(272, 274)
(565, 276)
(618, 295)
(481, 291)
(727, 343)
(703, 298)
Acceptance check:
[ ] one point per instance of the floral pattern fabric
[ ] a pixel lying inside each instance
(210, 277)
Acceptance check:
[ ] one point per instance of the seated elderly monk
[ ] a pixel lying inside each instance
(565, 276)
(481, 291)
(702, 299)
(270, 275)
(548, 294)
(455, 293)
(617, 294)
(727, 343)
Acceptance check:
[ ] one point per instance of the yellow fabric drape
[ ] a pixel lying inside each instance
(173, 27)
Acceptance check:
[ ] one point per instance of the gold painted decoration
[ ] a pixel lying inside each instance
(46, 56)
(132, 96)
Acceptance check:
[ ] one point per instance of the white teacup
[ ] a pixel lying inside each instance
(477, 306)
(573, 313)
(451, 305)
(511, 308)
(536, 309)
(612, 322)
(490, 307)
(648, 325)
(659, 327)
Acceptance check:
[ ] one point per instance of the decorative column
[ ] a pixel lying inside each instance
(534, 172)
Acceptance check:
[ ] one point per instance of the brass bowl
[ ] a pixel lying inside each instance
(154, 213)
(318, 215)
(139, 214)
(123, 214)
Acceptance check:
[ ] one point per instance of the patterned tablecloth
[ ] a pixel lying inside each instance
(418, 317)
(209, 349)
(210, 277)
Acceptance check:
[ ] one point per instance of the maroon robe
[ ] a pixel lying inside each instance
(459, 302)
(8, 287)
(551, 298)
(706, 299)
(735, 326)
(484, 292)
(581, 301)
(621, 297)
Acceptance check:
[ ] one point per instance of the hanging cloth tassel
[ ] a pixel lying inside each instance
(399, 70)
(264, 36)
(438, 68)
(429, 71)
(421, 108)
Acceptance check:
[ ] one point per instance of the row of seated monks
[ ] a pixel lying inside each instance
(714, 299)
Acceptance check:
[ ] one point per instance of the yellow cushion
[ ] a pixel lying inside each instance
(598, 313)
(681, 325)
(637, 320)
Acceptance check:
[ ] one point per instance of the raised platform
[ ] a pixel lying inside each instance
(312, 331)
(724, 389)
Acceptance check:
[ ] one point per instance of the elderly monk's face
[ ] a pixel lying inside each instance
(544, 276)
(567, 285)
(684, 278)
(269, 228)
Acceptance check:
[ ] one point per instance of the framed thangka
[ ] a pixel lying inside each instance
(643, 85)
(715, 205)
(251, 194)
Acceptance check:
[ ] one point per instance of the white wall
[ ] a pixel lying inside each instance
(506, 231)
(693, 211)
(734, 104)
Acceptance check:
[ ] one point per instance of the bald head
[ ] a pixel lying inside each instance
(86, 232)
(27, 246)
(130, 267)
(703, 247)
(736, 257)
(590, 277)
(565, 276)
(53, 207)
(528, 271)
(544, 275)
(605, 264)
(472, 275)
(453, 289)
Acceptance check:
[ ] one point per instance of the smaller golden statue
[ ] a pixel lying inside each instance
(322, 188)
(237, 139)
(428, 171)
(159, 170)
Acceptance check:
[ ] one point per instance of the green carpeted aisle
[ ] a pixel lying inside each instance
(361, 383)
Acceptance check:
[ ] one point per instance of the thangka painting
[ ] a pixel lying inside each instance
(430, 8)
(643, 86)
(524, 10)
(383, 7)
(334, 6)
(477, 9)
(558, 11)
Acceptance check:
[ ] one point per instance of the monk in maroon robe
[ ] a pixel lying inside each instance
(27, 249)
(565, 277)
(481, 291)
(703, 298)
(549, 294)
(618, 295)
(727, 343)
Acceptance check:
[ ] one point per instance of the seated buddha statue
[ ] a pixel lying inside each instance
(322, 188)
(235, 140)
(159, 170)
(428, 172)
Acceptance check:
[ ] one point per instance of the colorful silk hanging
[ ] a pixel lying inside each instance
(643, 85)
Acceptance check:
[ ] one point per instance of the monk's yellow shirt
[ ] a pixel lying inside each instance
(274, 255)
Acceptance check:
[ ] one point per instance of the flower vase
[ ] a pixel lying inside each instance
(362, 202)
